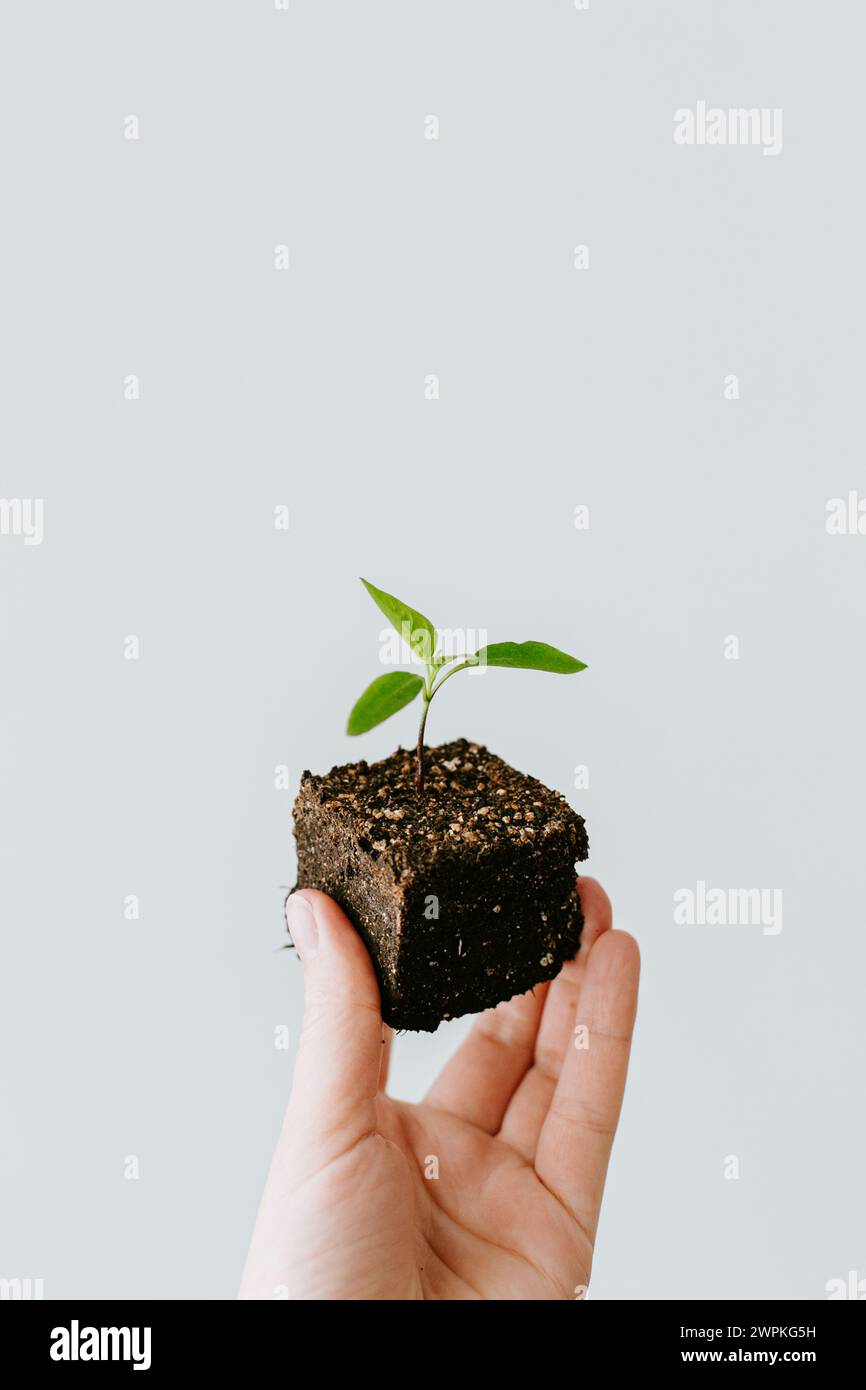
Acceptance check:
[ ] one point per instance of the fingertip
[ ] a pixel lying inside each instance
(631, 944)
(330, 917)
(617, 954)
(593, 898)
(341, 952)
(320, 902)
(597, 911)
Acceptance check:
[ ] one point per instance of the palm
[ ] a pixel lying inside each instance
(472, 1218)
(489, 1189)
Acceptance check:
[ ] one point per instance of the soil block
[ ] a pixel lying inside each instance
(465, 895)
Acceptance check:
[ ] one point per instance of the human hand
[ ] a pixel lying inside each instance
(518, 1126)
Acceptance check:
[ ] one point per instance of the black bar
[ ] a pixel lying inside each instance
(231, 1337)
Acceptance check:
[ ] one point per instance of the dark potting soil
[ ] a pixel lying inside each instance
(465, 895)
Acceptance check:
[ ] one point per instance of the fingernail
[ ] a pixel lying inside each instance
(302, 925)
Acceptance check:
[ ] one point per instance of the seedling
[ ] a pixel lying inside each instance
(390, 693)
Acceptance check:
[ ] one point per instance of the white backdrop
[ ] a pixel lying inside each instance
(166, 386)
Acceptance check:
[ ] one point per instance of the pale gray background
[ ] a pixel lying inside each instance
(605, 387)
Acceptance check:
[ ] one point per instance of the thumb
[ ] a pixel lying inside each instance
(342, 1041)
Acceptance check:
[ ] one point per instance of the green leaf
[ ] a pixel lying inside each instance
(384, 697)
(413, 627)
(530, 656)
